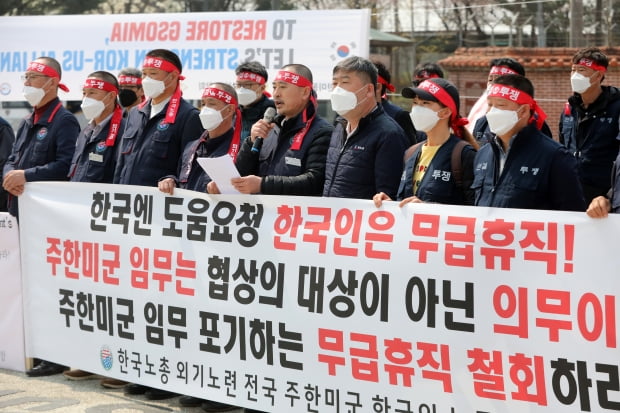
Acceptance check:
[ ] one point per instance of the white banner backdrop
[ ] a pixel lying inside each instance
(325, 305)
(210, 45)
(12, 355)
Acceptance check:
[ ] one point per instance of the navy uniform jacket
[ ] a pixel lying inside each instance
(369, 161)
(7, 138)
(152, 148)
(191, 175)
(592, 136)
(44, 149)
(93, 161)
(539, 173)
(438, 185)
(286, 171)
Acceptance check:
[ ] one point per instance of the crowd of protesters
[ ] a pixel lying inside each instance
(141, 131)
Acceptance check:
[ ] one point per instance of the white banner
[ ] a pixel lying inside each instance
(210, 45)
(325, 305)
(12, 355)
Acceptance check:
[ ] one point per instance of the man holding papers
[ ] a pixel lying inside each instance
(291, 161)
(219, 111)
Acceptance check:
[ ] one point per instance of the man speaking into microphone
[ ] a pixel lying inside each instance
(285, 154)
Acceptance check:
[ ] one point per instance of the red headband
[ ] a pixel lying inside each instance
(591, 64)
(94, 83)
(223, 96)
(293, 79)
(253, 77)
(129, 80)
(219, 94)
(439, 93)
(175, 100)
(520, 97)
(162, 64)
(502, 70)
(47, 71)
(425, 74)
(385, 83)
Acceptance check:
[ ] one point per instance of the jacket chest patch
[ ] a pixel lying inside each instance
(163, 125)
(42, 133)
(100, 148)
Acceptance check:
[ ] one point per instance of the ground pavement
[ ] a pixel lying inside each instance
(22, 394)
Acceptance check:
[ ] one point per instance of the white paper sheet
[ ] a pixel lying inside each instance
(221, 170)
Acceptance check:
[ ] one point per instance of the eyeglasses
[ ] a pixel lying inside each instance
(245, 85)
(29, 77)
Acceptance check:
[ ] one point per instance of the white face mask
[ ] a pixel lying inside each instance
(246, 96)
(501, 121)
(153, 88)
(344, 101)
(92, 108)
(424, 119)
(210, 118)
(579, 82)
(33, 94)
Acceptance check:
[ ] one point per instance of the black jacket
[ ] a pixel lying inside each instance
(286, 171)
(152, 148)
(438, 184)
(539, 173)
(191, 175)
(367, 162)
(592, 136)
(252, 113)
(93, 161)
(44, 149)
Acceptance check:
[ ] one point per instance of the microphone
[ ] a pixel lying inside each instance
(269, 117)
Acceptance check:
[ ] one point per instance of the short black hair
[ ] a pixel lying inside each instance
(592, 53)
(106, 76)
(383, 71)
(130, 71)
(508, 62)
(253, 67)
(428, 68)
(168, 56)
(516, 81)
(358, 65)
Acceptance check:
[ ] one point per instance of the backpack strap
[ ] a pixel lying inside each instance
(411, 150)
(456, 161)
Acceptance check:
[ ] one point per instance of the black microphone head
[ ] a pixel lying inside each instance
(269, 115)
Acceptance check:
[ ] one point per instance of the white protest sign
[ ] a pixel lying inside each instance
(210, 45)
(317, 304)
